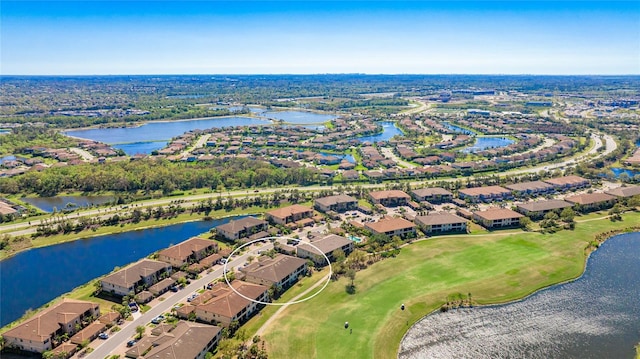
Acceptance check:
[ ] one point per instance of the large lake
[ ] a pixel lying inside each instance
(154, 135)
(485, 143)
(48, 204)
(596, 316)
(389, 129)
(34, 277)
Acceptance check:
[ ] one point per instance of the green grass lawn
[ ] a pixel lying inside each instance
(496, 267)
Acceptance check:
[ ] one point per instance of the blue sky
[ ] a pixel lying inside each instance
(431, 37)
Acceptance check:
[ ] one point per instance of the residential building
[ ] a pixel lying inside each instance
(242, 228)
(568, 183)
(38, 334)
(392, 226)
(441, 223)
(138, 275)
(187, 340)
(162, 286)
(625, 192)
(432, 195)
(498, 218)
(532, 188)
(592, 201)
(485, 194)
(538, 209)
(289, 214)
(282, 270)
(189, 251)
(339, 203)
(222, 305)
(390, 198)
(327, 245)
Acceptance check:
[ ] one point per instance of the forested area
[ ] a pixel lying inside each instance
(24, 137)
(156, 175)
(123, 99)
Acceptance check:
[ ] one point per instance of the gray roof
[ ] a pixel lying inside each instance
(439, 218)
(533, 185)
(130, 275)
(327, 244)
(423, 192)
(544, 205)
(243, 223)
(275, 269)
(625, 191)
(330, 200)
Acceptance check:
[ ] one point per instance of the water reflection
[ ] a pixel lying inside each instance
(597, 316)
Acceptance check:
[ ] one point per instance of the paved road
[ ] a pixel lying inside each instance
(610, 146)
(199, 143)
(86, 156)
(128, 331)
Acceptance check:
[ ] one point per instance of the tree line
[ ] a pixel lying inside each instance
(151, 175)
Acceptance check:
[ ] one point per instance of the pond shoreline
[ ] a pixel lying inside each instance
(599, 239)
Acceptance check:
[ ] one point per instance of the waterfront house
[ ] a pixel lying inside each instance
(189, 251)
(498, 218)
(538, 209)
(441, 223)
(282, 271)
(289, 214)
(392, 226)
(143, 273)
(38, 333)
(591, 201)
(242, 228)
(327, 245)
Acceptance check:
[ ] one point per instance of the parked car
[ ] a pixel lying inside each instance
(131, 343)
(103, 336)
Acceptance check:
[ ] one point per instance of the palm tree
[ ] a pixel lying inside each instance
(140, 329)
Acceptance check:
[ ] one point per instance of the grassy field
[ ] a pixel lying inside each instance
(494, 268)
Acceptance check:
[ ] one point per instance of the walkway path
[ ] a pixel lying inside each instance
(275, 315)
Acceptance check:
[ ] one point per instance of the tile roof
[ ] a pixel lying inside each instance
(289, 210)
(590, 198)
(327, 244)
(477, 191)
(423, 192)
(274, 270)
(330, 200)
(439, 218)
(183, 250)
(547, 205)
(388, 194)
(628, 191)
(186, 341)
(226, 302)
(532, 185)
(493, 214)
(390, 224)
(559, 181)
(45, 324)
(128, 276)
(241, 224)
